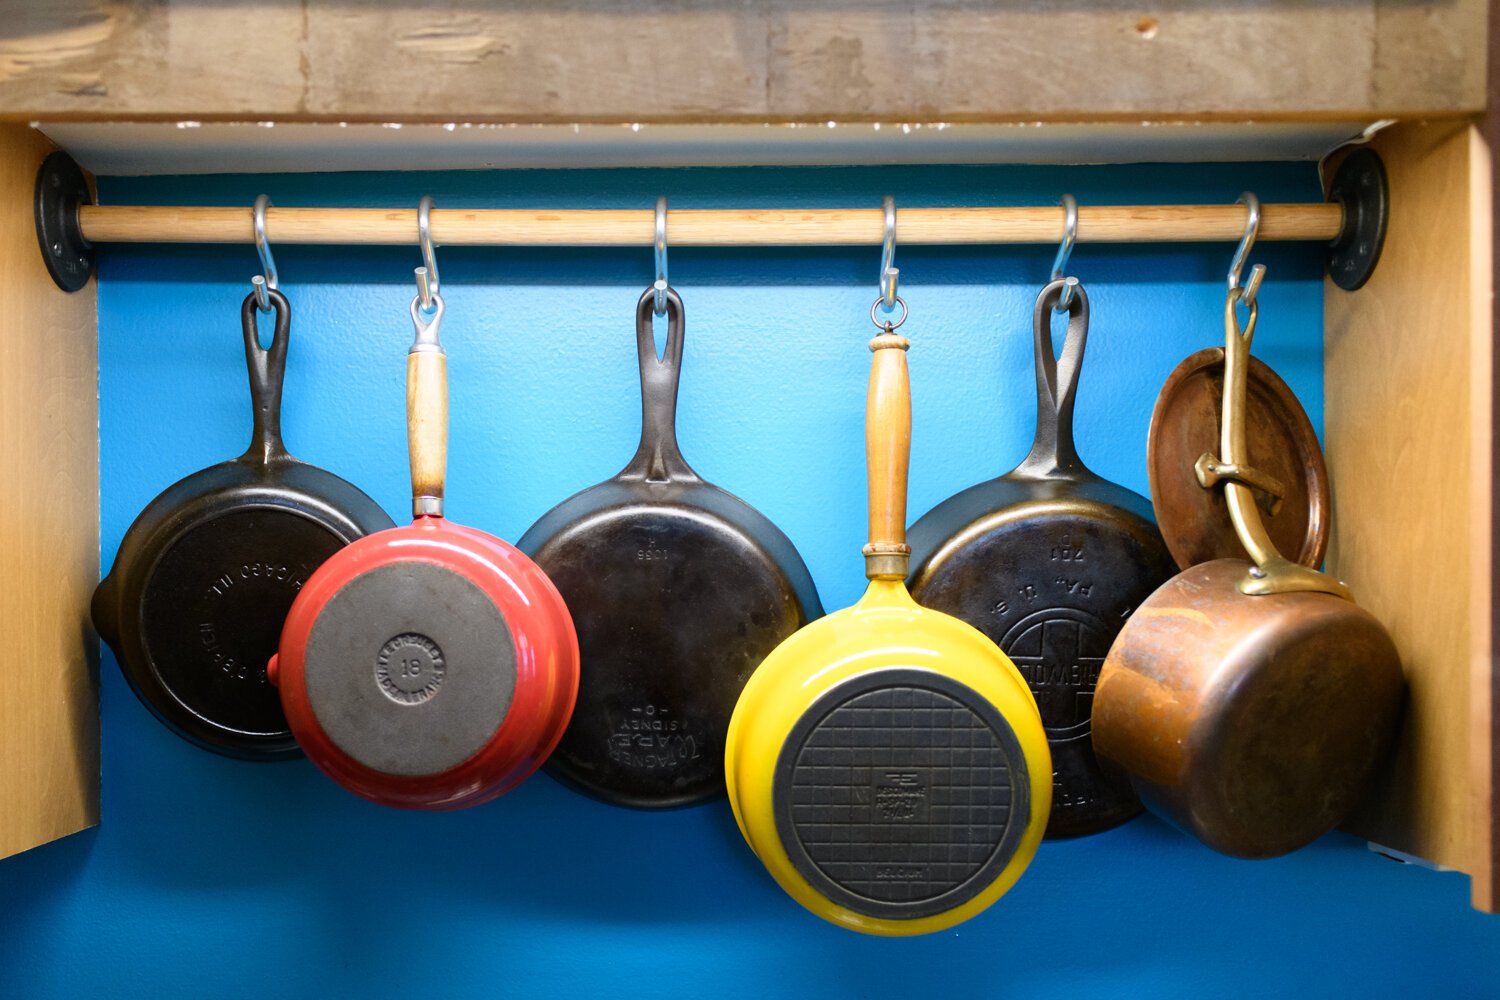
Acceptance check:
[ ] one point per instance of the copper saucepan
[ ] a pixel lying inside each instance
(1249, 703)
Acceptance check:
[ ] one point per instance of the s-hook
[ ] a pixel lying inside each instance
(888, 300)
(889, 273)
(1065, 250)
(427, 274)
(1252, 227)
(660, 286)
(261, 282)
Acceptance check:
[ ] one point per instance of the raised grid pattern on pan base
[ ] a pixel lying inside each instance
(901, 794)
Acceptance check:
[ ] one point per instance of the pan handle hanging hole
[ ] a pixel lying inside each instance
(264, 336)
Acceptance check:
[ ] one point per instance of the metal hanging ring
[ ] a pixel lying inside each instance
(263, 247)
(660, 286)
(888, 325)
(426, 319)
(427, 274)
(1242, 253)
(1065, 250)
(889, 273)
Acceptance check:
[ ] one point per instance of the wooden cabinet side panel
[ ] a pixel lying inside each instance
(49, 534)
(1486, 711)
(1485, 742)
(1406, 420)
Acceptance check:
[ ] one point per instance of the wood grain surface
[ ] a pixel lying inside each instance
(1407, 422)
(1487, 715)
(707, 227)
(887, 455)
(427, 422)
(730, 60)
(49, 536)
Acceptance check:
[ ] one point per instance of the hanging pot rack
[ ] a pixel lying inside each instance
(1351, 222)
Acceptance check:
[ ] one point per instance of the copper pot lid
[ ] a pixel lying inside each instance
(1282, 445)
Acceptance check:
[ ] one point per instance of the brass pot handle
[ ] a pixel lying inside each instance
(1272, 572)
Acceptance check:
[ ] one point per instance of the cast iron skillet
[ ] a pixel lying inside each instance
(194, 604)
(1048, 560)
(678, 590)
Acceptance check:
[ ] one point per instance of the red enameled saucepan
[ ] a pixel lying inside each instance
(432, 666)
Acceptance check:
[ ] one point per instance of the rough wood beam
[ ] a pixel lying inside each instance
(725, 60)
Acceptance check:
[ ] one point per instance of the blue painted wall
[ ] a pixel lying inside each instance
(209, 877)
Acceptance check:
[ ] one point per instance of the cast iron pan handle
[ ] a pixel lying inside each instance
(1053, 454)
(659, 459)
(267, 372)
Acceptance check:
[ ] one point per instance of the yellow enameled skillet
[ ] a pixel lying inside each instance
(887, 763)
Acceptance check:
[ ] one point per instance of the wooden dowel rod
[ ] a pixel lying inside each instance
(712, 227)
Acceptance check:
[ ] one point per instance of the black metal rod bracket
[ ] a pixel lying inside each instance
(1360, 186)
(60, 188)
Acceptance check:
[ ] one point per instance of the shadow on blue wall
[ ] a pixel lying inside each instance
(212, 877)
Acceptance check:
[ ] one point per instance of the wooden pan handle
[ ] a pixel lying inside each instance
(887, 454)
(427, 428)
